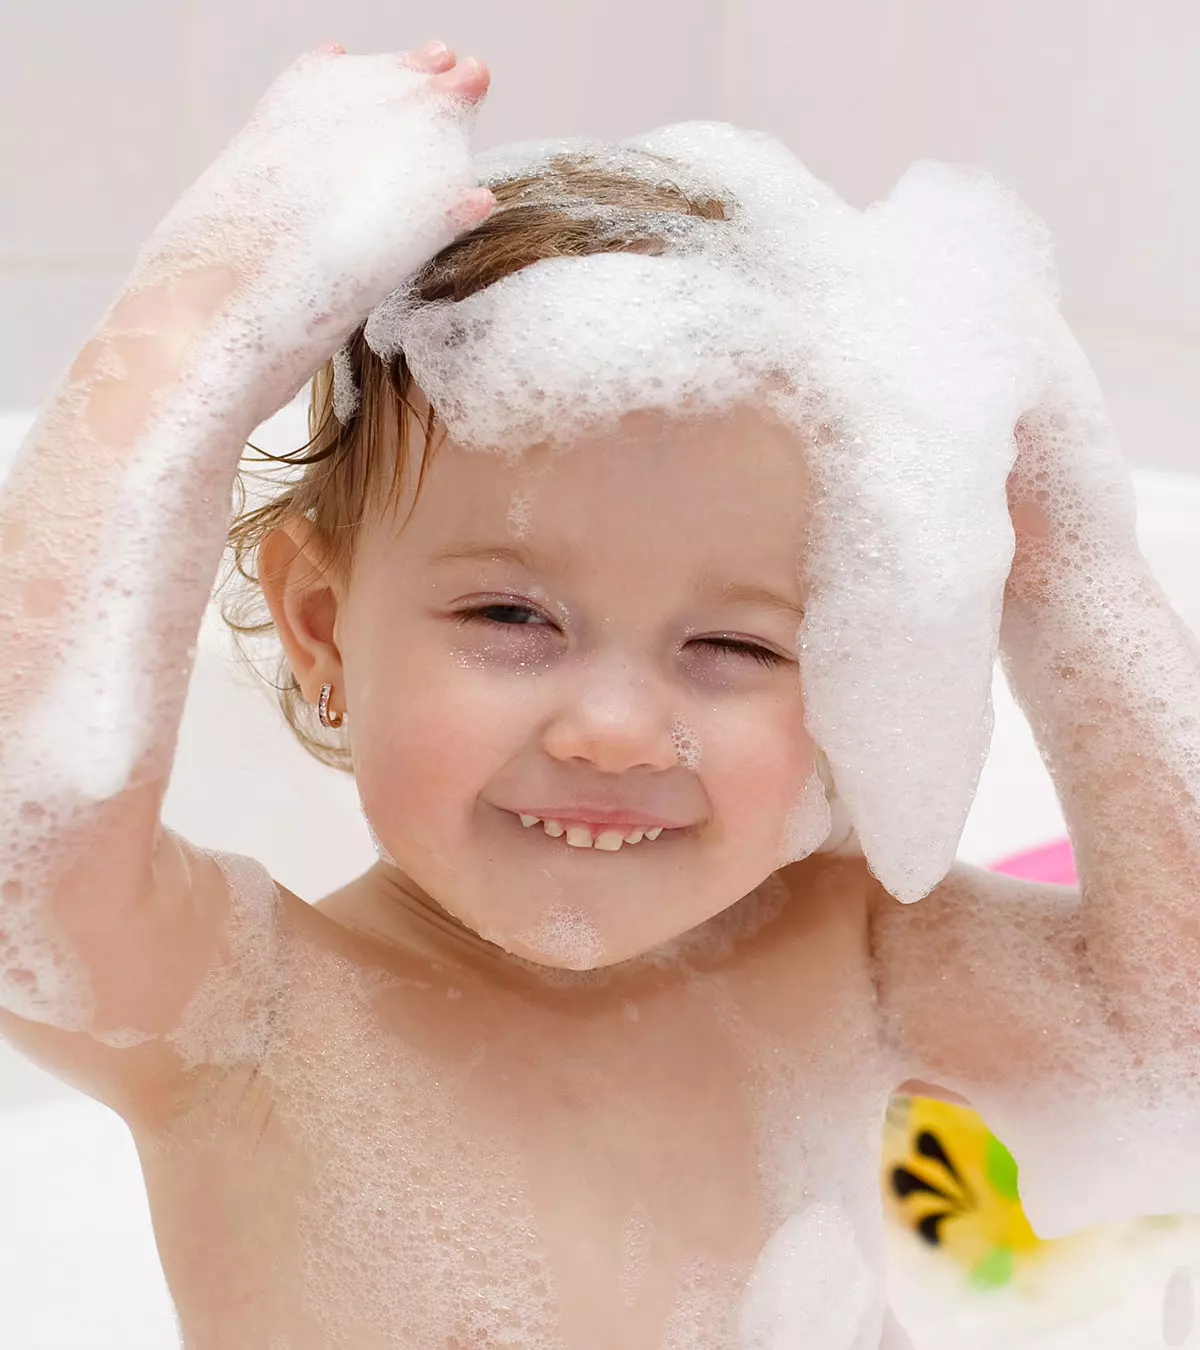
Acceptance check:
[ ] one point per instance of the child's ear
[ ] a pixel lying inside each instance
(294, 574)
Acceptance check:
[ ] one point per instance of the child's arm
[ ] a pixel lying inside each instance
(1042, 1004)
(1109, 678)
(353, 171)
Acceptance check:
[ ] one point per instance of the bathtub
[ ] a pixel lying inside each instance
(78, 1266)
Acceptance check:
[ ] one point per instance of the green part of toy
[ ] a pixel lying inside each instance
(994, 1270)
(1001, 1169)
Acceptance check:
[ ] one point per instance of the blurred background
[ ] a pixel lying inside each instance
(1089, 109)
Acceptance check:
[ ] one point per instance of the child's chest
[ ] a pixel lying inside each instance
(463, 1168)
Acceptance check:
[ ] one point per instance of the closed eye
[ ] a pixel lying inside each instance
(512, 614)
(739, 647)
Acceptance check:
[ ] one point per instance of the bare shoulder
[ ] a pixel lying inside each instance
(813, 955)
(973, 924)
(985, 977)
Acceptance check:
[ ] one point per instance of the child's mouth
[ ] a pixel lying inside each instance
(583, 834)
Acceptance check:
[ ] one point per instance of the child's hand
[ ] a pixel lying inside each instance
(1070, 497)
(352, 172)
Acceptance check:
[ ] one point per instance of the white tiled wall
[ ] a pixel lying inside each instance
(1090, 109)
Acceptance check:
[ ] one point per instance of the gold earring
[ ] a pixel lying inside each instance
(328, 719)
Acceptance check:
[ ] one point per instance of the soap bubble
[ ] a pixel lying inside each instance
(902, 343)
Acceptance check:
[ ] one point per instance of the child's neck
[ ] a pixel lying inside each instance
(387, 906)
(395, 908)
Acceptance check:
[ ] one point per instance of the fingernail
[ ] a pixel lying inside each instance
(433, 50)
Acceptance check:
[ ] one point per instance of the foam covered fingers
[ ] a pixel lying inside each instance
(1070, 498)
(352, 172)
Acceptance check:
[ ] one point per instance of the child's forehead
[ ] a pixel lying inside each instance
(715, 499)
(738, 471)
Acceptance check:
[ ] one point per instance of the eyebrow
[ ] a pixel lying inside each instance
(706, 586)
(737, 593)
(510, 553)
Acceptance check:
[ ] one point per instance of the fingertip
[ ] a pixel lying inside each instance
(468, 80)
(476, 206)
(433, 58)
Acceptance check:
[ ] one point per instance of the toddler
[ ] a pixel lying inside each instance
(660, 663)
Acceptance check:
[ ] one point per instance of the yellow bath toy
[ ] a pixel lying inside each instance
(948, 1179)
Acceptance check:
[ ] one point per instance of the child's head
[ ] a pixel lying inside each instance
(602, 635)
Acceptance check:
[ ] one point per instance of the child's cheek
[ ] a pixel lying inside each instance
(756, 763)
(441, 746)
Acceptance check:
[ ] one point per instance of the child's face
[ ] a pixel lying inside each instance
(557, 638)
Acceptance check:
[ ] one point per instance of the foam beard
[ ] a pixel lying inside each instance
(902, 342)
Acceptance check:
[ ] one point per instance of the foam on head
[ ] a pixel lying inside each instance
(901, 342)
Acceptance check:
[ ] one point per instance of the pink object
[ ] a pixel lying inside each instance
(1047, 862)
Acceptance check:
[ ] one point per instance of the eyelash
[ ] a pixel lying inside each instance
(763, 655)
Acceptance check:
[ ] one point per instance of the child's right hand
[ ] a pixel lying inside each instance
(352, 172)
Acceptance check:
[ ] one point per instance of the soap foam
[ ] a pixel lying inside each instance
(808, 823)
(229, 1018)
(687, 744)
(812, 1286)
(566, 936)
(901, 342)
(260, 270)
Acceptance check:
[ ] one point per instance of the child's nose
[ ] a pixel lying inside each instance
(616, 719)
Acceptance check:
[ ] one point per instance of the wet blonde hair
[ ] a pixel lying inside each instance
(574, 206)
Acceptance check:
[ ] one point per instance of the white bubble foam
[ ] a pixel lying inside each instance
(686, 741)
(812, 1285)
(520, 510)
(42, 976)
(250, 281)
(808, 822)
(565, 935)
(902, 343)
(841, 838)
(228, 1019)
(346, 397)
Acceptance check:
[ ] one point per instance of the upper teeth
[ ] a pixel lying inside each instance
(580, 836)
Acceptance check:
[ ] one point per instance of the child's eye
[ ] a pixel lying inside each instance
(503, 614)
(739, 647)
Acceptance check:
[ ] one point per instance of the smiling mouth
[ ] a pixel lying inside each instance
(580, 834)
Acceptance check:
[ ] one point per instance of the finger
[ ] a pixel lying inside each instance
(477, 205)
(433, 58)
(469, 79)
